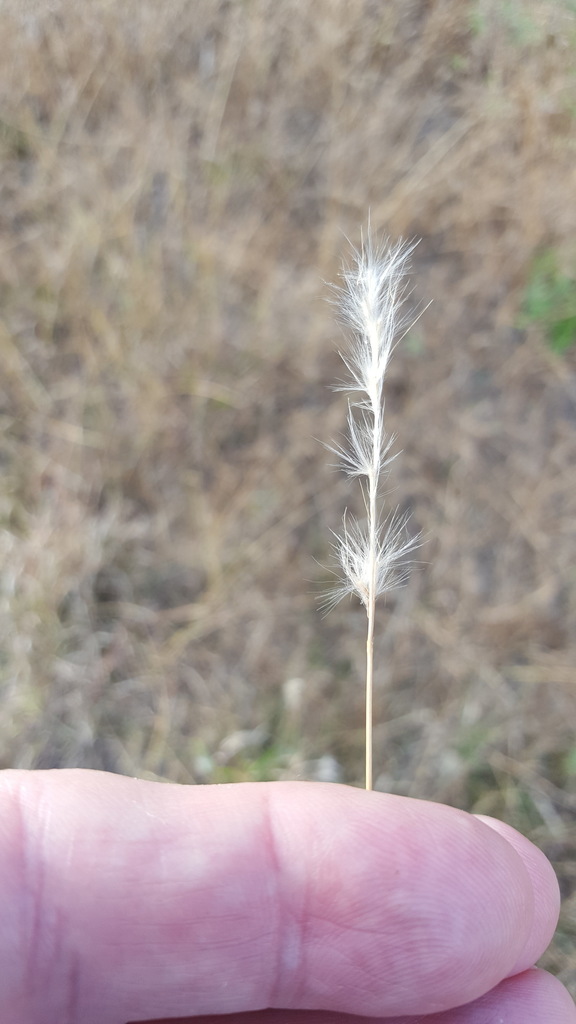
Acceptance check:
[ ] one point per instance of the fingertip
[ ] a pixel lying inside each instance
(532, 997)
(545, 888)
(445, 901)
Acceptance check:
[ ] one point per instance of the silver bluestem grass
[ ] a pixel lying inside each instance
(371, 553)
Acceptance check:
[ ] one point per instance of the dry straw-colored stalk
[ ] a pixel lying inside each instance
(372, 553)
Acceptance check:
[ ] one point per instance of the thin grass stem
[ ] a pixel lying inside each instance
(370, 693)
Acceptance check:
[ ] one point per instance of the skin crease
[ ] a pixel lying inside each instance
(125, 900)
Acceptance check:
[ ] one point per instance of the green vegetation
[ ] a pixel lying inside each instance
(550, 302)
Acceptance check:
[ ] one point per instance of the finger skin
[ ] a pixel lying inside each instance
(128, 900)
(533, 997)
(535, 863)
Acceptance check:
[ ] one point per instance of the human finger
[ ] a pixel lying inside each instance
(129, 900)
(545, 911)
(533, 997)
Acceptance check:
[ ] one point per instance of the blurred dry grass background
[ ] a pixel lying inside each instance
(176, 180)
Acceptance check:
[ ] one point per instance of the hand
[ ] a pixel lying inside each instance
(125, 900)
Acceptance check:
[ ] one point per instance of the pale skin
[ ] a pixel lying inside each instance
(124, 900)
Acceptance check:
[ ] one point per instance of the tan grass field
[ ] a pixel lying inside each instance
(176, 183)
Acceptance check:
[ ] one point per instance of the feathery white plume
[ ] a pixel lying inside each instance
(372, 554)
